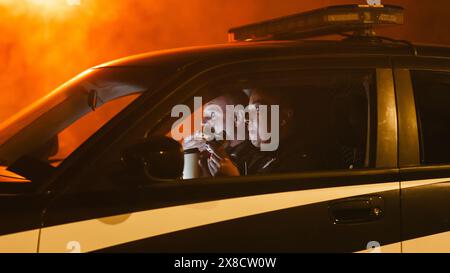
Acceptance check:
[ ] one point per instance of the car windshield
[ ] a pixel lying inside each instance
(52, 128)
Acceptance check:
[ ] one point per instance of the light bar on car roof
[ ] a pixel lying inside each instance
(325, 21)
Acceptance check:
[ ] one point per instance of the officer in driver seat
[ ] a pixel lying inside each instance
(229, 156)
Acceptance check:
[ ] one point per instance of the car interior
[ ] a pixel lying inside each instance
(331, 112)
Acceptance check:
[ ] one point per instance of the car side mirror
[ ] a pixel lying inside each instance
(158, 158)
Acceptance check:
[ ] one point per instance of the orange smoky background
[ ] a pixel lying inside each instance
(43, 43)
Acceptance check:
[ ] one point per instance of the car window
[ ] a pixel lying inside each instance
(432, 95)
(52, 128)
(77, 133)
(62, 145)
(276, 122)
(272, 123)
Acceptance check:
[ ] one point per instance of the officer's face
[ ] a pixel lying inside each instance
(257, 127)
(253, 128)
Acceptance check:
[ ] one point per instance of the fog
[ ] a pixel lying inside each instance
(43, 43)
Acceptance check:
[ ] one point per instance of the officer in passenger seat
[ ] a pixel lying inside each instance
(292, 154)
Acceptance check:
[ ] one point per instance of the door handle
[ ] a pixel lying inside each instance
(357, 210)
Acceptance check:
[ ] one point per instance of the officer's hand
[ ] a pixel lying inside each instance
(219, 163)
(203, 164)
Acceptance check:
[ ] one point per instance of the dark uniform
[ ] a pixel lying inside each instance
(241, 155)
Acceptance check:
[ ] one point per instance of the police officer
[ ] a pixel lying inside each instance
(223, 153)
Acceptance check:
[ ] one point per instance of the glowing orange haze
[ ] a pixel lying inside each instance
(43, 43)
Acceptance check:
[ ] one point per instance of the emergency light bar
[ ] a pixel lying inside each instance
(331, 20)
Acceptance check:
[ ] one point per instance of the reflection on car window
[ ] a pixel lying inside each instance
(277, 123)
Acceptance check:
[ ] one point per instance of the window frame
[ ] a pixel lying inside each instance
(385, 155)
(369, 158)
(386, 150)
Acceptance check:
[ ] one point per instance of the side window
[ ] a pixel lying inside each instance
(289, 122)
(74, 135)
(432, 95)
(254, 124)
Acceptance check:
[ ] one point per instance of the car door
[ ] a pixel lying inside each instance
(327, 210)
(423, 93)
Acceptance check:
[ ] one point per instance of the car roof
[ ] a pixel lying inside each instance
(239, 50)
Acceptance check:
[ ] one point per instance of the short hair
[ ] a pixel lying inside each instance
(232, 98)
(236, 98)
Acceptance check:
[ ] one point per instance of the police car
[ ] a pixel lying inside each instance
(92, 167)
